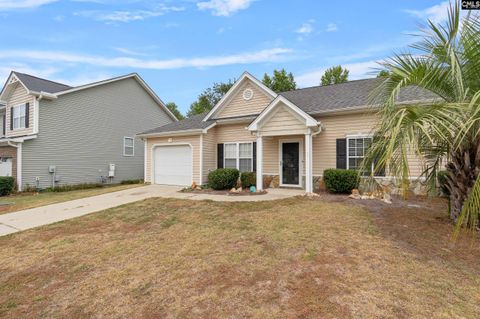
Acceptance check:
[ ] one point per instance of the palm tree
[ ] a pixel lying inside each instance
(445, 131)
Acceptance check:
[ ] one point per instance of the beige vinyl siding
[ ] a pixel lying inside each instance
(193, 140)
(233, 133)
(282, 122)
(2, 114)
(339, 126)
(237, 106)
(19, 96)
(270, 155)
(209, 153)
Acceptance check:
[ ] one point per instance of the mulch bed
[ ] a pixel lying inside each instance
(222, 192)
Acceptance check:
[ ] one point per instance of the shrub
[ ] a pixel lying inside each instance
(67, 188)
(248, 179)
(131, 181)
(341, 180)
(223, 178)
(442, 182)
(7, 184)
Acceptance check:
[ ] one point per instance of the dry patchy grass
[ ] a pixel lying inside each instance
(167, 258)
(21, 201)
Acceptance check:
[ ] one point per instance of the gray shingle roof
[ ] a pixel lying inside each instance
(351, 94)
(192, 123)
(36, 84)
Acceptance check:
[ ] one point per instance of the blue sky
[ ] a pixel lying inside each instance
(182, 47)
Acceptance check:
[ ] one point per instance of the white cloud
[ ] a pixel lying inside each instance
(267, 55)
(224, 8)
(305, 29)
(81, 79)
(44, 72)
(23, 4)
(128, 16)
(437, 13)
(357, 71)
(332, 27)
(128, 51)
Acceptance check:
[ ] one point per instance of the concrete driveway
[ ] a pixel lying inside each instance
(39, 216)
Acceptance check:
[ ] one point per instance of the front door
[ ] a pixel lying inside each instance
(290, 163)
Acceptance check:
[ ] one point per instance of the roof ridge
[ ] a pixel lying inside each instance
(333, 84)
(39, 78)
(131, 74)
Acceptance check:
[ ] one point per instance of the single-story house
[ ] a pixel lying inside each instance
(288, 138)
(52, 134)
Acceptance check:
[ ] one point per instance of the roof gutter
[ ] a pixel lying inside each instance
(236, 120)
(177, 133)
(43, 95)
(10, 140)
(172, 133)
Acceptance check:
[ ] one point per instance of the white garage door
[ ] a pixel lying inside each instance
(173, 165)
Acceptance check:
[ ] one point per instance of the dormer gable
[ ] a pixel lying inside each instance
(248, 96)
(10, 86)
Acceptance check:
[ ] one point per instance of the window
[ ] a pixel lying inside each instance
(245, 152)
(19, 116)
(239, 156)
(230, 156)
(128, 146)
(357, 148)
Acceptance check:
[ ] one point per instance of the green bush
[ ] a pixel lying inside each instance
(341, 180)
(131, 181)
(223, 178)
(248, 179)
(68, 188)
(7, 184)
(442, 182)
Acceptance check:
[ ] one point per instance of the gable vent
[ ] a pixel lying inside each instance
(247, 94)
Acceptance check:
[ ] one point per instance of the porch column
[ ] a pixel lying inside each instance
(308, 163)
(259, 163)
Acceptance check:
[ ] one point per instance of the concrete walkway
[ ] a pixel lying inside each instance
(34, 217)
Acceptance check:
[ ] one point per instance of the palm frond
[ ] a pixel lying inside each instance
(469, 215)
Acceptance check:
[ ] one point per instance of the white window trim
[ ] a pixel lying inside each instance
(13, 117)
(237, 159)
(133, 146)
(353, 137)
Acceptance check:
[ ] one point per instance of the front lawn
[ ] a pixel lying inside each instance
(21, 201)
(295, 258)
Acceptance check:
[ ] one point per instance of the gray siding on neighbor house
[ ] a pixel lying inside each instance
(82, 132)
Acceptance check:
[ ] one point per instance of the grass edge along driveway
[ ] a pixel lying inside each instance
(20, 201)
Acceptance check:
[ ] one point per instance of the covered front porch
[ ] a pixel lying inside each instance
(284, 136)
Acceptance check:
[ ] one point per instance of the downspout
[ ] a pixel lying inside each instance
(201, 160)
(145, 157)
(19, 163)
(319, 130)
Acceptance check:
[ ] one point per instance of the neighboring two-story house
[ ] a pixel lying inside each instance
(53, 134)
(288, 139)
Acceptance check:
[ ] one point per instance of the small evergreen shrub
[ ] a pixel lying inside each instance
(442, 182)
(7, 184)
(131, 181)
(248, 179)
(223, 178)
(341, 180)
